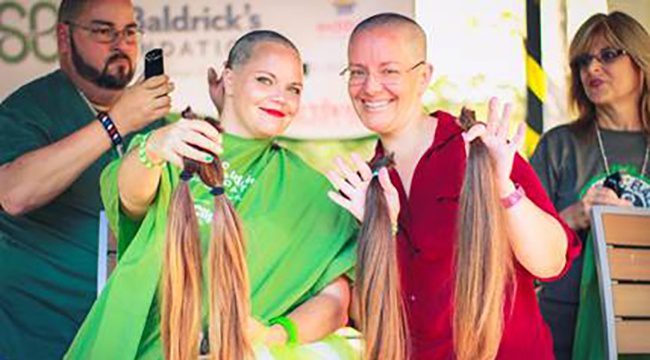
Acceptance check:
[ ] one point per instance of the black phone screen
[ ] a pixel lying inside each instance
(153, 63)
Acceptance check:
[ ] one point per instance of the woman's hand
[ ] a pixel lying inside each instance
(577, 215)
(353, 185)
(215, 87)
(494, 134)
(180, 140)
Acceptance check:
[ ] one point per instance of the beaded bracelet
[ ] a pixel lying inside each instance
(289, 327)
(142, 153)
(111, 130)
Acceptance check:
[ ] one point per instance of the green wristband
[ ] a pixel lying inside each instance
(289, 326)
(142, 153)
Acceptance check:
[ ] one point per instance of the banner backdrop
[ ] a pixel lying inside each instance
(197, 34)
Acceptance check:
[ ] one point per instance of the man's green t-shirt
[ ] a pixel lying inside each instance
(48, 257)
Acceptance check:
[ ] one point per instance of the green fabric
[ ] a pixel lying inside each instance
(320, 154)
(48, 257)
(589, 336)
(298, 241)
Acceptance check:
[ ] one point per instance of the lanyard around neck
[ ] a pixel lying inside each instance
(604, 156)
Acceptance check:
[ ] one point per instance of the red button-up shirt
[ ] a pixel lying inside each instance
(426, 238)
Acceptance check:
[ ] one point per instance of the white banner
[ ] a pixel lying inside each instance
(197, 34)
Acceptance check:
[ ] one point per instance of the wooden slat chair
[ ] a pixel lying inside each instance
(622, 249)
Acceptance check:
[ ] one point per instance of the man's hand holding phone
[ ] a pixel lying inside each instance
(145, 101)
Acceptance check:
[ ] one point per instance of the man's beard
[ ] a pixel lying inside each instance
(102, 78)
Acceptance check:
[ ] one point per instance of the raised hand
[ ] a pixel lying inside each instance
(352, 186)
(215, 86)
(142, 103)
(181, 139)
(494, 134)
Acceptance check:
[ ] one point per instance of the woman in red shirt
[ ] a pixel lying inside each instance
(388, 74)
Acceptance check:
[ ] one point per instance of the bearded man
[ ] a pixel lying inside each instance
(58, 132)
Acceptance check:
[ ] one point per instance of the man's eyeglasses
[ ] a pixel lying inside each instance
(605, 57)
(107, 34)
(389, 75)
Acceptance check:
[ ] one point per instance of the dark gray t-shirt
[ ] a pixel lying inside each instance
(568, 165)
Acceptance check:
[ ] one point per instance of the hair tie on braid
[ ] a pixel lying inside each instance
(379, 304)
(385, 161)
(483, 257)
(217, 190)
(183, 272)
(186, 175)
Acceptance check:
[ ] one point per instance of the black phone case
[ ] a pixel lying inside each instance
(153, 63)
(613, 181)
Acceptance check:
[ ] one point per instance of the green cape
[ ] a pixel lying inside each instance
(298, 241)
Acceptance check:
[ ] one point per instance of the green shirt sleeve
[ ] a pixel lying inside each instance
(124, 228)
(20, 132)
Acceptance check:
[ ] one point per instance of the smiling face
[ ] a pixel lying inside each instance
(610, 83)
(389, 97)
(263, 94)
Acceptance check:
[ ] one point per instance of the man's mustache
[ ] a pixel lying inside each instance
(118, 56)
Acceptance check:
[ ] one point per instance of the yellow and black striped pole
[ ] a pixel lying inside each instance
(535, 77)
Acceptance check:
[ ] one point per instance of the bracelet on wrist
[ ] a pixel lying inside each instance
(289, 327)
(112, 131)
(514, 197)
(142, 153)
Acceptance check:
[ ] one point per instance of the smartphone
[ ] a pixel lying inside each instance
(153, 63)
(613, 181)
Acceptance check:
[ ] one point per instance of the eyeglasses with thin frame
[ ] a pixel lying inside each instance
(106, 34)
(605, 56)
(388, 75)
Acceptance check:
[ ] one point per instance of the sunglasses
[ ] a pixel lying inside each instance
(605, 57)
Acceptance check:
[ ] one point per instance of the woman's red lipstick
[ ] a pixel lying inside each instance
(273, 112)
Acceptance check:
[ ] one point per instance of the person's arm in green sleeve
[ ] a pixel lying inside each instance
(138, 183)
(37, 177)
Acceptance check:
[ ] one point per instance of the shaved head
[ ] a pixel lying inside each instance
(69, 10)
(412, 32)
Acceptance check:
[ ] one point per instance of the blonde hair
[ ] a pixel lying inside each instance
(228, 288)
(381, 311)
(483, 260)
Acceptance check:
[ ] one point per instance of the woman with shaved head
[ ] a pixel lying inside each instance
(229, 247)
(474, 226)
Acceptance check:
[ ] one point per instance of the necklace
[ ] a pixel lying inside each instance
(606, 163)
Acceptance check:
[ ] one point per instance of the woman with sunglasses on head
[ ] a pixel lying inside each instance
(599, 159)
(182, 287)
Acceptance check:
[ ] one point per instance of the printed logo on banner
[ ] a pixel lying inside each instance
(343, 24)
(27, 29)
(163, 25)
(344, 7)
